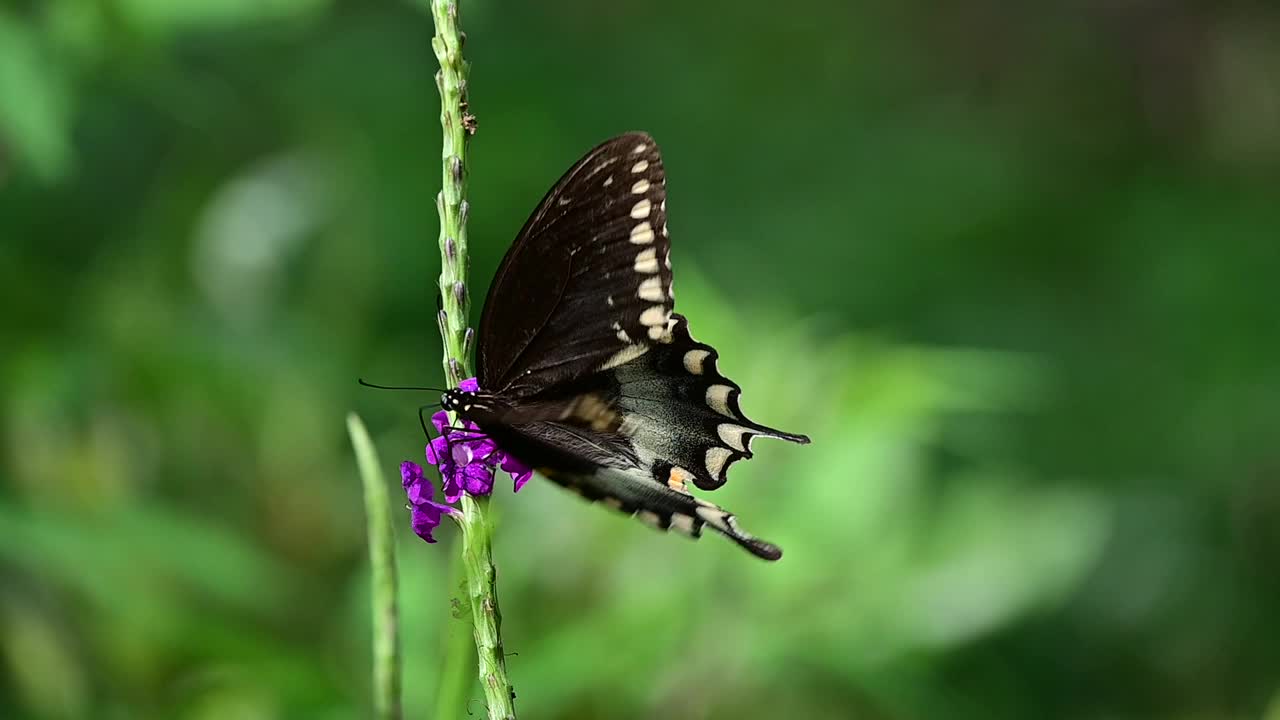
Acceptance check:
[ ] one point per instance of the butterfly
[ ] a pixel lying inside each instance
(586, 373)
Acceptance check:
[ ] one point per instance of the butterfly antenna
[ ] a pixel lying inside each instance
(422, 418)
(367, 384)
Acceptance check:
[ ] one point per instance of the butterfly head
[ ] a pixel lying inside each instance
(469, 405)
(455, 400)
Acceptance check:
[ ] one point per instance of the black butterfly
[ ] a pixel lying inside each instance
(585, 372)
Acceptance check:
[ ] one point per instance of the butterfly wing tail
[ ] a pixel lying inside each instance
(726, 523)
(634, 493)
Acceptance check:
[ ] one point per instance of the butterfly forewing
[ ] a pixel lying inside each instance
(588, 280)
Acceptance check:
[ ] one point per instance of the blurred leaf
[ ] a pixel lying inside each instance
(168, 17)
(42, 662)
(150, 545)
(36, 101)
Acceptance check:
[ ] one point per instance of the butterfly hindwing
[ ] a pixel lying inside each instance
(631, 492)
(678, 408)
(587, 278)
(593, 465)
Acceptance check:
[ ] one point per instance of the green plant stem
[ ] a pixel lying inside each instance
(482, 596)
(451, 202)
(382, 556)
(477, 529)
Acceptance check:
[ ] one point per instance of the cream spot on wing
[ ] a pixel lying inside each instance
(683, 523)
(734, 436)
(650, 518)
(693, 361)
(640, 148)
(642, 234)
(659, 333)
(640, 166)
(647, 261)
(594, 412)
(608, 300)
(640, 187)
(622, 334)
(607, 162)
(663, 205)
(718, 399)
(716, 458)
(613, 502)
(641, 209)
(625, 355)
(664, 229)
(710, 514)
(655, 315)
(608, 181)
(563, 201)
(667, 337)
(651, 290)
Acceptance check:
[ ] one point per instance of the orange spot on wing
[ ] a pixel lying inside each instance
(677, 479)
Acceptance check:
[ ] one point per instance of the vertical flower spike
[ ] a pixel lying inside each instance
(458, 125)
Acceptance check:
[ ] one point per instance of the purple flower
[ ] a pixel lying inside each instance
(467, 459)
(426, 512)
(518, 471)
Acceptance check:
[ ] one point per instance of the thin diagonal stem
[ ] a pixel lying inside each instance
(382, 555)
(477, 527)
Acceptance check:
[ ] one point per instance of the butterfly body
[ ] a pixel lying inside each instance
(585, 371)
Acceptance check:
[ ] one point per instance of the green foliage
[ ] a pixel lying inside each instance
(1012, 271)
(36, 99)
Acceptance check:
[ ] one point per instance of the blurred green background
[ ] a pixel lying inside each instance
(1012, 266)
